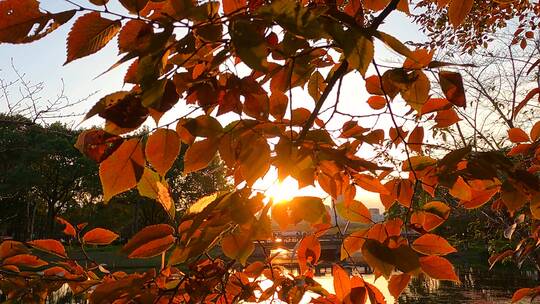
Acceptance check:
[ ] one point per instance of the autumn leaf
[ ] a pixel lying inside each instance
(10, 248)
(99, 236)
(517, 135)
(431, 244)
(162, 148)
(200, 154)
(446, 118)
(452, 84)
(458, 11)
(153, 248)
(21, 21)
(152, 186)
(146, 236)
(25, 260)
(376, 102)
(397, 283)
(134, 6)
(354, 211)
(238, 246)
(521, 293)
(438, 268)
(342, 283)
(49, 245)
(89, 34)
(308, 252)
(135, 36)
(68, 229)
(122, 170)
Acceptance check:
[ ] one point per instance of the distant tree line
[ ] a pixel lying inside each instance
(42, 176)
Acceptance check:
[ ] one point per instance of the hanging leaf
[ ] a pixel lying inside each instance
(122, 170)
(458, 11)
(134, 6)
(10, 248)
(438, 268)
(342, 283)
(200, 154)
(397, 283)
(52, 246)
(99, 236)
(159, 233)
(162, 149)
(238, 246)
(89, 34)
(354, 211)
(452, 86)
(153, 248)
(308, 252)
(68, 229)
(25, 260)
(21, 21)
(517, 135)
(431, 244)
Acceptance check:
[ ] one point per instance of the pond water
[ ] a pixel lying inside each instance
(477, 286)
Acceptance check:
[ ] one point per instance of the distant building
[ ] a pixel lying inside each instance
(376, 215)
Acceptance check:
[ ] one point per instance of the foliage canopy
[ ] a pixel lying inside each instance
(244, 59)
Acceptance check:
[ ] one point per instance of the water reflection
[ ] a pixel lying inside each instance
(477, 286)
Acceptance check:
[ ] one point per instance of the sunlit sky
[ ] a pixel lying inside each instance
(42, 61)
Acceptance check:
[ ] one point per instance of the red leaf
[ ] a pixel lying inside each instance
(99, 236)
(517, 135)
(69, 229)
(523, 103)
(146, 235)
(89, 34)
(25, 260)
(153, 248)
(431, 244)
(452, 85)
(521, 293)
(49, 245)
(342, 283)
(438, 268)
(397, 284)
(309, 252)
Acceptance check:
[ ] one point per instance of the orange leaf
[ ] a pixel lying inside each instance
(435, 104)
(52, 246)
(353, 243)
(452, 84)
(354, 211)
(370, 183)
(162, 148)
(458, 11)
(238, 246)
(446, 118)
(89, 34)
(10, 248)
(375, 5)
(23, 22)
(431, 244)
(200, 154)
(376, 102)
(373, 85)
(521, 293)
(342, 283)
(419, 58)
(121, 171)
(146, 235)
(25, 260)
(517, 135)
(438, 268)
(69, 229)
(230, 6)
(416, 138)
(153, 248)
(135, 35)
(397, 284)
(523, 103)
(535, 131)
(99, 236)
(308, 252)
(134, 6)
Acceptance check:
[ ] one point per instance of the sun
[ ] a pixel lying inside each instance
(283, 191)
